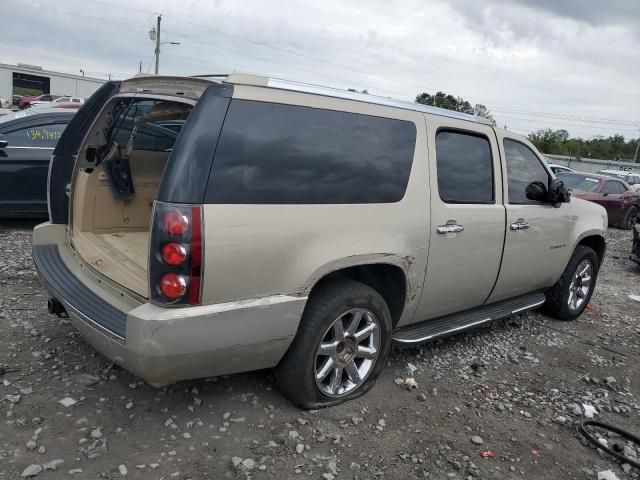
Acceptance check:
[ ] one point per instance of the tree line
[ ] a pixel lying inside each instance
(558, 142)
(554, 142)
(459, 104)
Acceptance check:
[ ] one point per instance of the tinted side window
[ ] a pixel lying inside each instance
(523, 167)
(36, 136)
(282, 154)
(613, 187)
(465, 167)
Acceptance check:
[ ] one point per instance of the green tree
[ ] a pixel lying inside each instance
(459, 104)
(559, 142)
(550, 141)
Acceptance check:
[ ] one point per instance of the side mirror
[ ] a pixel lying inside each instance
(558, 193)
(3, 141)
(536, 191)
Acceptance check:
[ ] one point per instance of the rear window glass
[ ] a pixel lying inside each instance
(579, 182)
(136, 128)
(284, 154)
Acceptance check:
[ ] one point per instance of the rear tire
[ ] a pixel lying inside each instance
(342, 344)
(568, 298)
(630, 219)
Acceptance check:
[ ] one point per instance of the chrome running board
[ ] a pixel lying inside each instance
(458, 322)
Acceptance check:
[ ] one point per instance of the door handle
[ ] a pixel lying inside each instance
(450, 228)
(519, 225)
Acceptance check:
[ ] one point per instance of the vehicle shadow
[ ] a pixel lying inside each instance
(20, 224)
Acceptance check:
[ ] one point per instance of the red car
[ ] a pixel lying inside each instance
(620, 200)
(46, 97)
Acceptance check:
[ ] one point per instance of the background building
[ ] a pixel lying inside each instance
(25, 79)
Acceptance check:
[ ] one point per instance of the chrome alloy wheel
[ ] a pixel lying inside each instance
(347, 352)
(580, 285)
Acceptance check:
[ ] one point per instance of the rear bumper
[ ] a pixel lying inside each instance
(164, 345)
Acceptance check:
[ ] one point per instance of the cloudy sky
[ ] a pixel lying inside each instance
(571, 64)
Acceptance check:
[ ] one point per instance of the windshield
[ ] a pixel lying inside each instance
(579, 182)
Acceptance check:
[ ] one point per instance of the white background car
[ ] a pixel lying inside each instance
(39, 104)
(555, 168)
(632, 178)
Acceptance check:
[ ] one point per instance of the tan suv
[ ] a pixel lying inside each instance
(206, 226)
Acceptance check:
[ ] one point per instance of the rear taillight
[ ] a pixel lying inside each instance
(174, 253)
(175, 262)
(175, 222)
(173, 286)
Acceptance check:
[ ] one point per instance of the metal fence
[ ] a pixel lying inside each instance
(592, 165)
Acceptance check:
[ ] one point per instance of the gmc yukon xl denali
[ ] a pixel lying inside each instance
(279, 224)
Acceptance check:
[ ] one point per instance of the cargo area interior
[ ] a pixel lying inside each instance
(116, 182)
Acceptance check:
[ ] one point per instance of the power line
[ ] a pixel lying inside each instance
(549, 117)
(566, 117)
(267, 45)
(567, 124)
(526, 129)
(101, 19)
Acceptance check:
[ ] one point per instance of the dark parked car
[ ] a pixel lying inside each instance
(620, 200)
(27, 139)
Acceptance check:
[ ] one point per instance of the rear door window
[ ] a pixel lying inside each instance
(465, 167)
(272, 153)
(613, 187)
(523, 168)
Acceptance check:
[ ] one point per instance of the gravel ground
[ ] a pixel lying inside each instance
(513, 393)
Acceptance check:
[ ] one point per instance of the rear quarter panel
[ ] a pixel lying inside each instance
(259, 250)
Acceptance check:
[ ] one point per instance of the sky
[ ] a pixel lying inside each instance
(572, 64)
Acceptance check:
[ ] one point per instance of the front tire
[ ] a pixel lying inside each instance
(568, 298)
(341, 345)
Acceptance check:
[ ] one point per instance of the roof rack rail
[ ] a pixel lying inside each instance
(369, 98)
(208, 75)
(278, 83)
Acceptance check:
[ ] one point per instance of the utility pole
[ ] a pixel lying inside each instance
(635, 157)
(140, 67)
(158, 45)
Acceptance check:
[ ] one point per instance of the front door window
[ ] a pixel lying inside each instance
(523, 168)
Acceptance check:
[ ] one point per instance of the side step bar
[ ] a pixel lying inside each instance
(457, 322)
